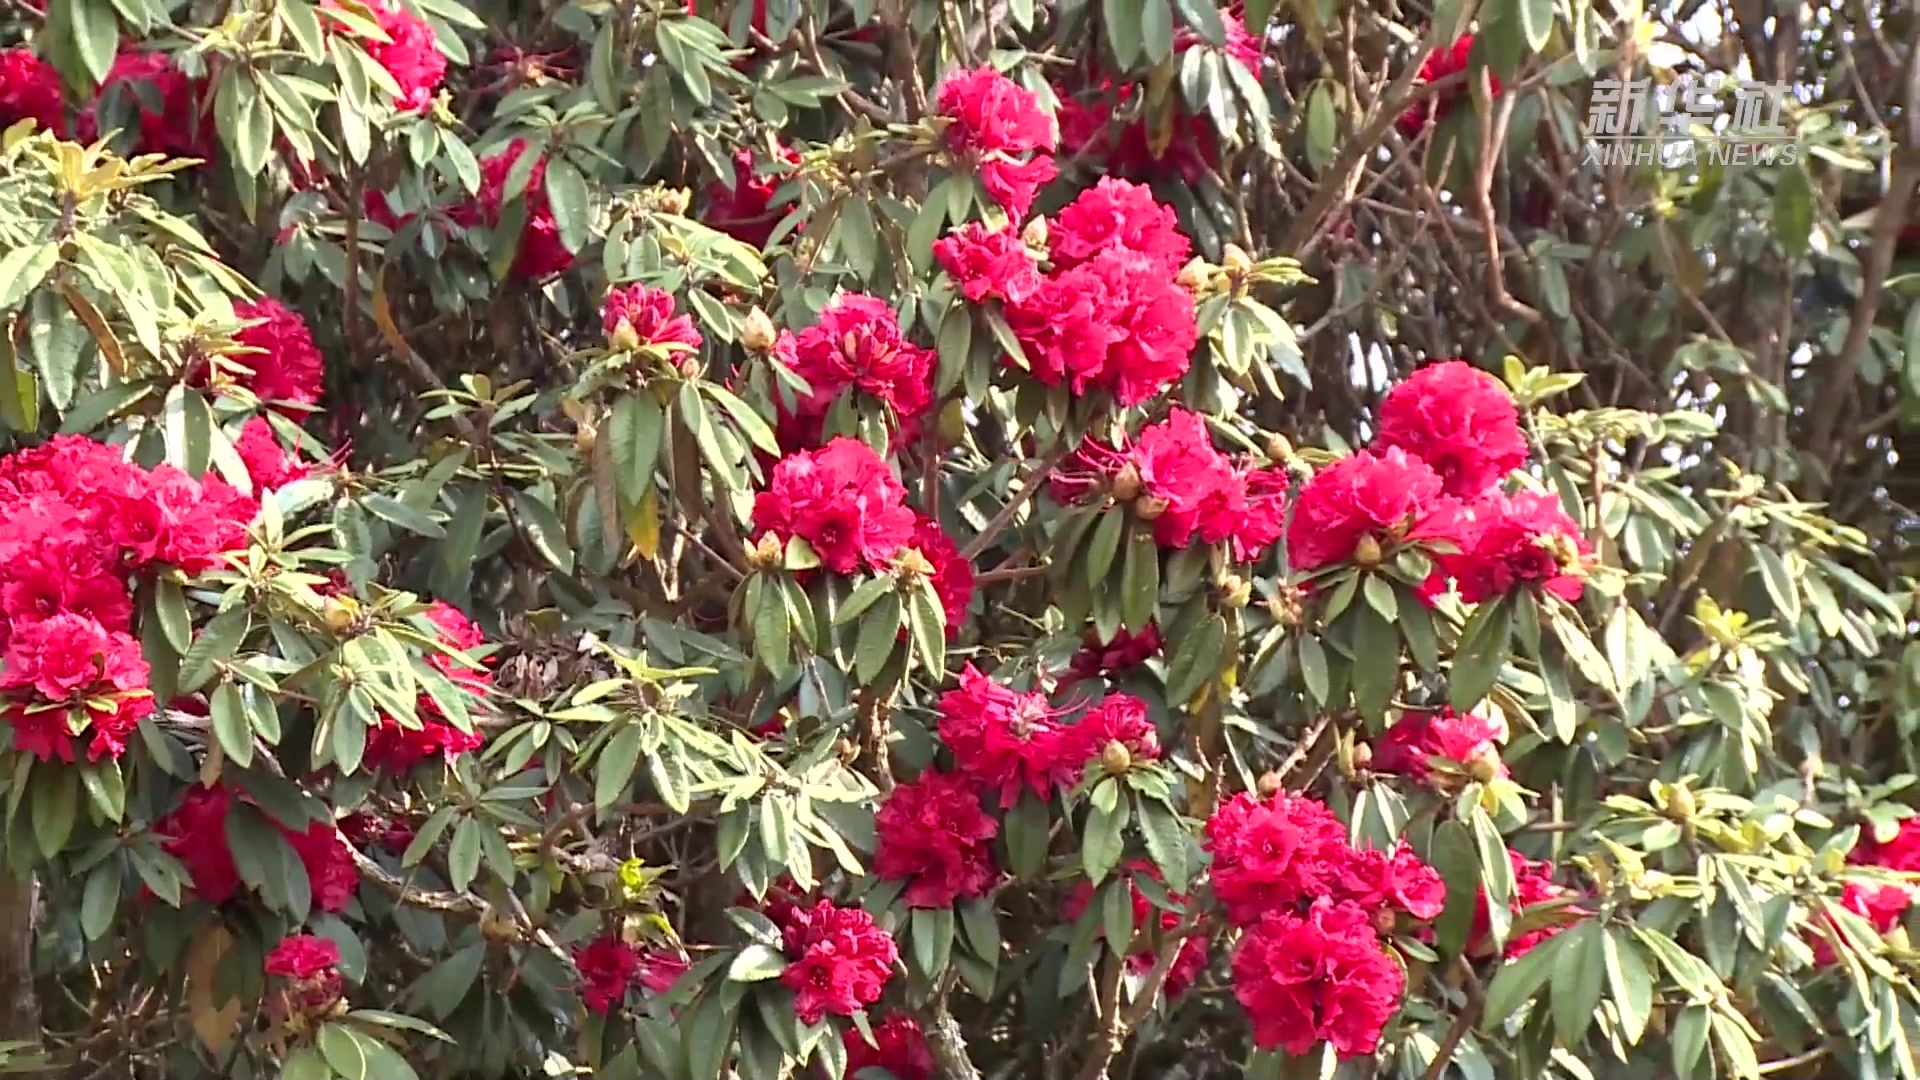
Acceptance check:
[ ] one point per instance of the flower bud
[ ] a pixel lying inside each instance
(1680, 804)
(1193, 276)
(1235, 261)
(1126, 483)
(339, 613)
(1278, 448)
(953, 421)
(496, 929)
(1115, 758)
(757, 334)
(1149, 507)
(689, 367)
(1235, 592)
(1268, 784)
(768, 553)
(1367, 552)
(583, 439)
(675, 200)
(1485, 767)
(910, 566)
(1035, 235)
(1362, 756)
(624, 337)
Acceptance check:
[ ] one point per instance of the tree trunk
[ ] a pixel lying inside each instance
(19, 910)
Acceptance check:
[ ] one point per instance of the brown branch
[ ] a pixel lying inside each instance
(1001, 520)
(1115, 1022)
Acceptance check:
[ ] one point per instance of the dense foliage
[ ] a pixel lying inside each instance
(910, 539)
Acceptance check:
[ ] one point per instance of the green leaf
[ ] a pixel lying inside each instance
(1156, 29)
(101, 899)
(1140, 581)
(927, 622)
(447, 985)
(356, 1055)
(1166, 842)
(1519, 982)
(1629, 984)
(756, 963)
(613, 772)
(1196, 660)
(1689, 1038)
(544, 530)
(1027, 835)
(750, 423)
(23, 269)
(1380, 597)
(879, 632)
(636, 429)
(1313, 667)
(864, 596)
(401, 514)
(1579, 979)
(572, 204)
(1458, 865)
(54, 807)
(231, 724)
(1376, 667)
(463, 855)
(95, 26)
(1793, 209)
(170, 607)
(1105, 543)
(1105, 840)
(1536, 23)
(1482, 651)
(1124, 35)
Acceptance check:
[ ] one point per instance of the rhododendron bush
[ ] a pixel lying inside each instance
(915, 540)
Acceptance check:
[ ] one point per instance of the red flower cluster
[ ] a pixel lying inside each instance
(79, 525)
(196, 834)
(269, 464)
(1109, 314)
(1125, 652)
(1532, 884)
(1147, 148)
(1389, 497)
(745, 210)
(952, 575)
(899, 1047)
(1004, 740)
(989, 263)
(280, 363)
(396, 747)
(1172, 476)
(1318, 976)
(933, 835)
(307, 963)
(990, 122)
(843, 500)
(857, 345)
(1442, 63)
(1192, 958)
(539, 253)
(167, 102)
(610, 965)
(1510, 541)
(1900, 853)
(839, 961)
(1460, 421)
(412, 56)
(1470, 743)
(1883, 906)
(634, 316)
(30, 90)
(1311, 967)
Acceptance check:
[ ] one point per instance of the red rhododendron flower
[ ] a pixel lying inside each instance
(269, 464)
(30, 90)
(71, 570)
(1280, 852)
(1193, 955)
(952, 574)
(608, 966)
(1882, 906)
(635, 315)
(841, 499)
(1442, 63)
(932, 834)
(1509, 542)
(329, 861)
(1125, 652)
(413, 57)
(857, 344)
(1321, 977)
(1532, 884)
(196, 834)
(839, 960)
(67, 676)
(282, 364)
(1005, 740)
(745, 211)
(1173, 477)
(1459, 420)
(1116, 322)
(1470, 741)
(988, 263)
(1118, 718)
(539, 252)
(1391, 497)
(991, 121)
(1901, 852)
(1386, 884)
(396, 747)
(898, 1046)
(166, 102)
(302, 956)
(1118, 215)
